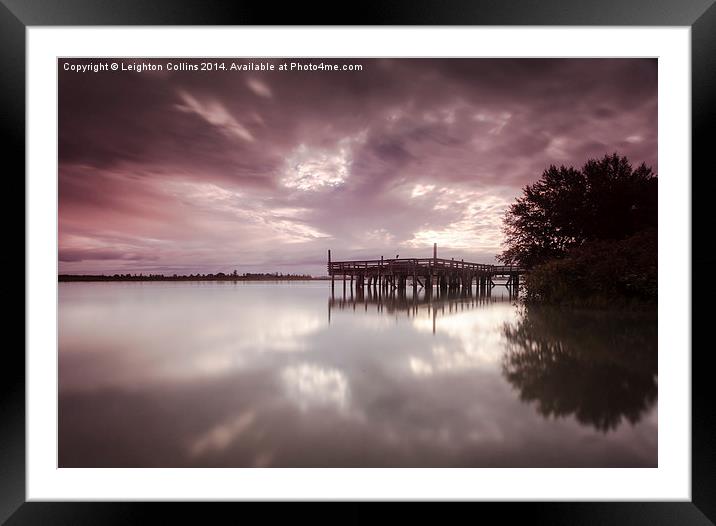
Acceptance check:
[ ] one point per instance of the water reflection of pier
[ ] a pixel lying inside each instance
(433, 302)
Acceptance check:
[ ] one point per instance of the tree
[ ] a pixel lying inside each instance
(606, 200)
(600, 273)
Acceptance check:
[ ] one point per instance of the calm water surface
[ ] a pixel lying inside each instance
(281, 374)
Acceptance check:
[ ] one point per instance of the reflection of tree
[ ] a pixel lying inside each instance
(599, 366)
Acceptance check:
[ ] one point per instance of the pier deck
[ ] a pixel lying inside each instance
(447, 274)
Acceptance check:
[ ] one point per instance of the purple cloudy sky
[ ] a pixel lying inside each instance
(204, 172)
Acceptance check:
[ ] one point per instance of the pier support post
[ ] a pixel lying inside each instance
(330, 271)
(380, 273)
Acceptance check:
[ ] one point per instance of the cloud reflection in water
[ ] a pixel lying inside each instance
(308, 385)
(255, 375)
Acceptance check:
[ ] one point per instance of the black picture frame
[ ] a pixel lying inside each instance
(16, 15)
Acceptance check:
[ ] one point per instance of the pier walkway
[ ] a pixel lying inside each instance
(447, 274)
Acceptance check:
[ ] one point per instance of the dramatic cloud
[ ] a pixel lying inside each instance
(194, 171)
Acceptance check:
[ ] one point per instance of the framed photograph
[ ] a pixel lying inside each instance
(433, 255)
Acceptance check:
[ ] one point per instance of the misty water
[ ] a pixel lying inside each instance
(282, 374)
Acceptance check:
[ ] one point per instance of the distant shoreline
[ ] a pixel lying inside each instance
(206, 277)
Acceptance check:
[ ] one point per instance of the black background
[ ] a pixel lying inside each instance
(15, 15)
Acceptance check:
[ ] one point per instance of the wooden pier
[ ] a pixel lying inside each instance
(446, 274)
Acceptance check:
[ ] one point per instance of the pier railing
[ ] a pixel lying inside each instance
(408, 265)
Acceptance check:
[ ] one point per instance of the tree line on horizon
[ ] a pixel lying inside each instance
(233, 276)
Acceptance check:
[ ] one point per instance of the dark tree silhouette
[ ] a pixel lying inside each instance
(599, 366)
(606, 200)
